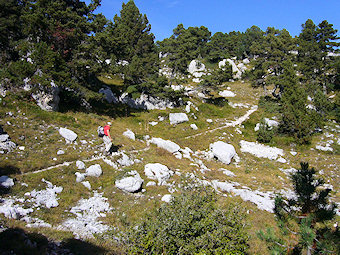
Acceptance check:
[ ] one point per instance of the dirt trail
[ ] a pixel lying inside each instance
(234, 123)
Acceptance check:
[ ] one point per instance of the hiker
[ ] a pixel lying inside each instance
(107, 138)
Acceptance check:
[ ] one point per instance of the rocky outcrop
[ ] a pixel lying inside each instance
(236, 71)
(270, 123)
(146, 102)
(197, 70)
(48, 99)
(128, 133)
(109, 96)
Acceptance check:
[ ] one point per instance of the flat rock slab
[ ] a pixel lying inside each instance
(176, 118)
(260, 150)
(166, 144)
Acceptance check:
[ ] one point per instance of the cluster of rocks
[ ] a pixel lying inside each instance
(94, 171)
(6, 145)
(236, 69)
(197, 70)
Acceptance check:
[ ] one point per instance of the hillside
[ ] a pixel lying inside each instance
(47, 199)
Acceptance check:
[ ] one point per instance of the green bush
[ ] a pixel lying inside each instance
(191, 223)
(265, 133)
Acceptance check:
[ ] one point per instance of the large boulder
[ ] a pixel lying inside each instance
(176, 118)
(165, 144)
(224, 152)
(109, 96)
(48, 100)
(69, 135)
(94, 170)
(132, 182)
(157, 171)
(197, 70)
(6, 182)
(128, 133)
(236, 71)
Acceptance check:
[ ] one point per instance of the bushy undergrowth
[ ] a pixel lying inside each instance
(191, 223)
(265, 133)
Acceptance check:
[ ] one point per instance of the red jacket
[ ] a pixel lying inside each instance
(106, 130)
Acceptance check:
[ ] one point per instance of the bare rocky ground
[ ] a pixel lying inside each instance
(67, 188)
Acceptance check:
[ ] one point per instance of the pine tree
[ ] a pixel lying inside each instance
(133, 42)
(304, 220)
(296, 120)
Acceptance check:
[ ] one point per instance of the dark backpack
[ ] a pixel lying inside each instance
(100, 131)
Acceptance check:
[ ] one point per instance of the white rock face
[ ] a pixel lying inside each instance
(69, 135)
(109, 96)
(167, 198)
(176, 118)
(260, 150)
(80, 177)
(131, 183)
(94, 170)
(236, 72)
(6, 182)
(165, 144)
(146, 102)
(269, 122)
(48, 101)
(226, 93)
(128, 133)
(156, 171)
(224, 152)
(193, 126)
(80, 165)
(87, 211)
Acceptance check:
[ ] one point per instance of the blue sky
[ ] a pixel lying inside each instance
(229, 15)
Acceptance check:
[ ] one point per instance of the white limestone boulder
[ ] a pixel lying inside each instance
(68, 134)
(80, 164)
(165, 144)
(194, 126)
(80, 177)
(176, 118)
(94, 170)
(196, 66)
(167, 198)
(132, 182)
(226, 93)
(224, 152)
(128, 133)
(159, 172)
(6, 182)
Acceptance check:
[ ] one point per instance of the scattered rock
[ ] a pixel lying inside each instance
(281, 160)
(87, 184)
(224, 152)
(167, 198)
(152, 183)
(158, 172)
(146, 102)
(130, 183)
(227, 172)
(94, 170)
(324, 148)
(125, 160)
(226, 93)
(176, 118)
(69, 135)
(128, 133)
(80, 165)
(294, 153)
(80, 177)
(193, 126)
(47, 197)
(269, 122)
(260, 150)
(60, 152)
(209, 120)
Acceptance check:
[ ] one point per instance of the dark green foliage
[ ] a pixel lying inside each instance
(265, 133)
(191, 224)
(304, 221)
(217, 77)
(133, 42)
(185, 45)
(296, 119)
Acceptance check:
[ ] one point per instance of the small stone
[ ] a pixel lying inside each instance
(60, 152)
(193, 126)
(87, 184)
(166, 198)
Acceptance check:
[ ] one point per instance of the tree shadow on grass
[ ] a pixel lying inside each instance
(9, 170)
(17, 241)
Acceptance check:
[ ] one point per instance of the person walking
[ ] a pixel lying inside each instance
(107, 138)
